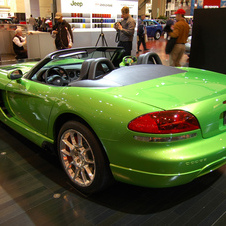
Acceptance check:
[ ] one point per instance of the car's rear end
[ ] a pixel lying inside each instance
(180, 135)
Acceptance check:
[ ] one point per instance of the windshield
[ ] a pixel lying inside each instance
(77, 56)
(89, 52)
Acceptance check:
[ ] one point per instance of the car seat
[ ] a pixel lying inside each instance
(149, 58)
(100, 67)
(85, 69)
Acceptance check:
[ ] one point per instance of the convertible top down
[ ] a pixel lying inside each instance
(128, 76)
(146, 124)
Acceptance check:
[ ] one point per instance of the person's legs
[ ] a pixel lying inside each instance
(138, 43)
(127, 46)
(181, 51)
(22, 54)
(173, 56)
(144, 43)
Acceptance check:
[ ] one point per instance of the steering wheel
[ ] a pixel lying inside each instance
(56, 76)
(128, 60)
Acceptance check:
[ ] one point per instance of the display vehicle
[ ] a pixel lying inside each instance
(146, 124)
(5, 20)
(162, 22)
(153, 28)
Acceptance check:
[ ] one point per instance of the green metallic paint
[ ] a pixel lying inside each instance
(180, 161)
(200, 92)
(37, 99)
(35, 107)
(26, 131)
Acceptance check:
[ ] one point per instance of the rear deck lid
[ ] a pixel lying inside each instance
(200, 92)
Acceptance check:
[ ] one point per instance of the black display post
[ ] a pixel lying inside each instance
(208, 47)
(54, 10)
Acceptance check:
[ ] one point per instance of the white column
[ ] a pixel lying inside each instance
(58, 3)
(45, 8)
(27, 8)
(35, 9)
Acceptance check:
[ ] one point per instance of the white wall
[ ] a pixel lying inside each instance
(34, 4)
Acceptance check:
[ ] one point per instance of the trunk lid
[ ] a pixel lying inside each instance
(200, 92)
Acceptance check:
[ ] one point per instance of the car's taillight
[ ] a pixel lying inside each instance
(164, 122)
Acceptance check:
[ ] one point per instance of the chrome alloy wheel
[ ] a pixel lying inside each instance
(77, 158)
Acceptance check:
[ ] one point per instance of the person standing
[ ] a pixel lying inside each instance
(16, 20)
(39, 23)
(18, 44)
(32, 22)
(180, 31)
(62, 33)
(125, 30)
(44, 25)
(141, 33)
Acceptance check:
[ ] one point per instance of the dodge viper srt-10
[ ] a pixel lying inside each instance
(145, 124)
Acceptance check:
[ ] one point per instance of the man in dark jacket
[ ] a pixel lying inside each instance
(62, 33)
(141, 33)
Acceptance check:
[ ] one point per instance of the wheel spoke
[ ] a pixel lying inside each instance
(73, 141)
(88, 171)
(65, 152)
(89, 161)
(84, 151)
(76, 174)
(69, 165)
(79, 140)
(86, 156)
(83, 174)
(67, 143)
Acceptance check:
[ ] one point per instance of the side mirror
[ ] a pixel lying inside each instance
(14, 75)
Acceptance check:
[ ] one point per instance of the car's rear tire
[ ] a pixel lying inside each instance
(157, 35)
(83, 158)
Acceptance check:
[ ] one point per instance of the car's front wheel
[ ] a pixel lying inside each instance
(157, 35)
(83, 158)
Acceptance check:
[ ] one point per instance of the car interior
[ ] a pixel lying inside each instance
(61, 73)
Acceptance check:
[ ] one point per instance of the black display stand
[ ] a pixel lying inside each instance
(208, 48)
(101, 36)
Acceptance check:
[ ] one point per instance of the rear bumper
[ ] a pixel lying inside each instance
(165, 164)
(147, 179)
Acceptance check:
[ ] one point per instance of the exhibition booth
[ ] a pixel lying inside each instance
(91, 21)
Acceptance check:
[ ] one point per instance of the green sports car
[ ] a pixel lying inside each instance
(146, 124)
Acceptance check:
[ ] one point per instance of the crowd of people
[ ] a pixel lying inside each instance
(40, 24)
(177, 35)
(62, 33)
